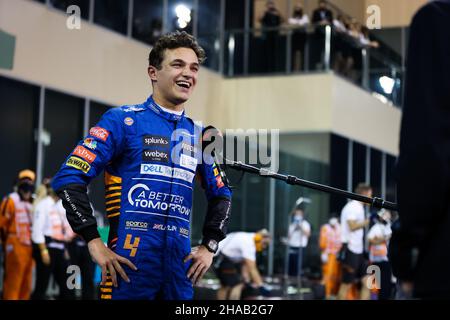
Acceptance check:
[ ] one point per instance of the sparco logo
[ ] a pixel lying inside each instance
(156, 141)
(136, 225)
(155, 155)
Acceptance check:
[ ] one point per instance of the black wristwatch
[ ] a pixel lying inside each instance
(211, 245)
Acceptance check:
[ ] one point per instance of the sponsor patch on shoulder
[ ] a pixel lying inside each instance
(128, 121)
(90, 143)
(78, 164)
(219, 182)
(84, 153)
(99, 133)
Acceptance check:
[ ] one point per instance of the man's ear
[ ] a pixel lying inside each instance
(152, 72)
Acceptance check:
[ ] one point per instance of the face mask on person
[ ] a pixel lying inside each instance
(298, 13)
(26, 187)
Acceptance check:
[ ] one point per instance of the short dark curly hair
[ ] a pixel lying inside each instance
(174, 40)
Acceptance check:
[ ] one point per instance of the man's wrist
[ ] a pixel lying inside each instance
(89, 233)
(44, 251)
(210, 244)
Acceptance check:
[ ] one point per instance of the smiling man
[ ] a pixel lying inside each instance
(150, 155)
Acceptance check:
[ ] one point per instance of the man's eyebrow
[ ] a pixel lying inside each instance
(184, 62)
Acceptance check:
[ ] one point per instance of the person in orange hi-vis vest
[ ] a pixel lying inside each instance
(330, 243)
(15, 223)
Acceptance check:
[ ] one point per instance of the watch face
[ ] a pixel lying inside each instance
(212, 244)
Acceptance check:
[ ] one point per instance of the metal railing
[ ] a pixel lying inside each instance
(288, 50)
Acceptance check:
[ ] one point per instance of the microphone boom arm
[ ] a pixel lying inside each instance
(293, 180)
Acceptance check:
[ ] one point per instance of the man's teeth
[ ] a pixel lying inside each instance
(183, 84)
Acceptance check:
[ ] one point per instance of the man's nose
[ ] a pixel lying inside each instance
(187, 72)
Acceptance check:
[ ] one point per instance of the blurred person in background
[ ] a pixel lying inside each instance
(420, 245)
(364, 38)
(354, 264)
(298, 236)
(322, 15)
(50, 234)
(379, 236)
(299, 21)
(15, 224)
(235, 264)
(271, 19)
(330, 244)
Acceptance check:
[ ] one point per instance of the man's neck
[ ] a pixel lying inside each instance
(167, 104)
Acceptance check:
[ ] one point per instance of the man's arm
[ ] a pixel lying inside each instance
(253, 272)
(355, 225)
(88, 159)
(217, 217)
(6, 214)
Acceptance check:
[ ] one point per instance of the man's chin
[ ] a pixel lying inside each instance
(182, 98)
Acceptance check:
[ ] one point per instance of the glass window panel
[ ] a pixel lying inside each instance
(234, 54)
(359, 164)
(112, 14)
(64, 4)
(375, 172)
(63, 122)
(305, 156)
(391, 185)
(338, 170)
(235, 14)
(208, 31)
(19, 110)
(147, 20)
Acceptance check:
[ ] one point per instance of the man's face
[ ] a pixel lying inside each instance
(176, 79)
(322, 5)
(265, 243)
(25, 189)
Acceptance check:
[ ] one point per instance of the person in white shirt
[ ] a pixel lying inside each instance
(298, 236)
(354, 265)
(299, 21)
(50, 233)
(235, 263)
(379, 236)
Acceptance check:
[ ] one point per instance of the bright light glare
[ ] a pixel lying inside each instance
(387, 84)
(181, 23)
(183, 14)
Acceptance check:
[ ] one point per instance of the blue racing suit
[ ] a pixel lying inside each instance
(150, 158)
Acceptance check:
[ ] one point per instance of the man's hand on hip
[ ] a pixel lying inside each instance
(201, 261)
(108, 261)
